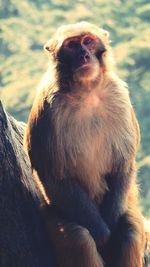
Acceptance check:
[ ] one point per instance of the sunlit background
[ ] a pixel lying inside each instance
(26, 25)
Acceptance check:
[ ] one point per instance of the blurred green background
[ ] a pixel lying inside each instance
(26, 25)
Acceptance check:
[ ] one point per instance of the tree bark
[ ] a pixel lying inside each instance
(23, 240)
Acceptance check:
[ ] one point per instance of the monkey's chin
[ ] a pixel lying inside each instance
(87, 72)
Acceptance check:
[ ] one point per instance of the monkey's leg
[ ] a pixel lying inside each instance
(73, 245)
(127, 243)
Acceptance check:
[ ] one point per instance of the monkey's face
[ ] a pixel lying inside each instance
(78, 50)
(80, 56)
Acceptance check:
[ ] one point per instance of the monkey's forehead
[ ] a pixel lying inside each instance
(71, 30)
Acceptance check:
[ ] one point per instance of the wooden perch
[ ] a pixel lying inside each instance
(23, 241)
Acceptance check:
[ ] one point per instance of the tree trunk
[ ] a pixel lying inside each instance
(23, 240)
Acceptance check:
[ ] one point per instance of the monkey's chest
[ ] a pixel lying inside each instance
(98, 140)
(93, 138)
(93, 146)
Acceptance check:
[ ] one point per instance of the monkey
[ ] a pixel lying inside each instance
(82, 138)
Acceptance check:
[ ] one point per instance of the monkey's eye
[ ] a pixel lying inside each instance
(72, 44)
(88, 41)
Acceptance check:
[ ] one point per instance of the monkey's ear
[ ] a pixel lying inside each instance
(49, 47)
(106, 35)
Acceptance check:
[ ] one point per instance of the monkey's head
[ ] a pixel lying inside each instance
(79, 51)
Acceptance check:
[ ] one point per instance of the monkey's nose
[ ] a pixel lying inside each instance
(85, 58)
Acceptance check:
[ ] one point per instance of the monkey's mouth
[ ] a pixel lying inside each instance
(84, 67)
(87, 72)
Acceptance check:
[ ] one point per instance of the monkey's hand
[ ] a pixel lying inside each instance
(70, 200)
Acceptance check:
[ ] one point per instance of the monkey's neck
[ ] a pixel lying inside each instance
(85, 86)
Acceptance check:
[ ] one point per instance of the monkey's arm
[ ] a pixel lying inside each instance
(120, 182)
(112, 205)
